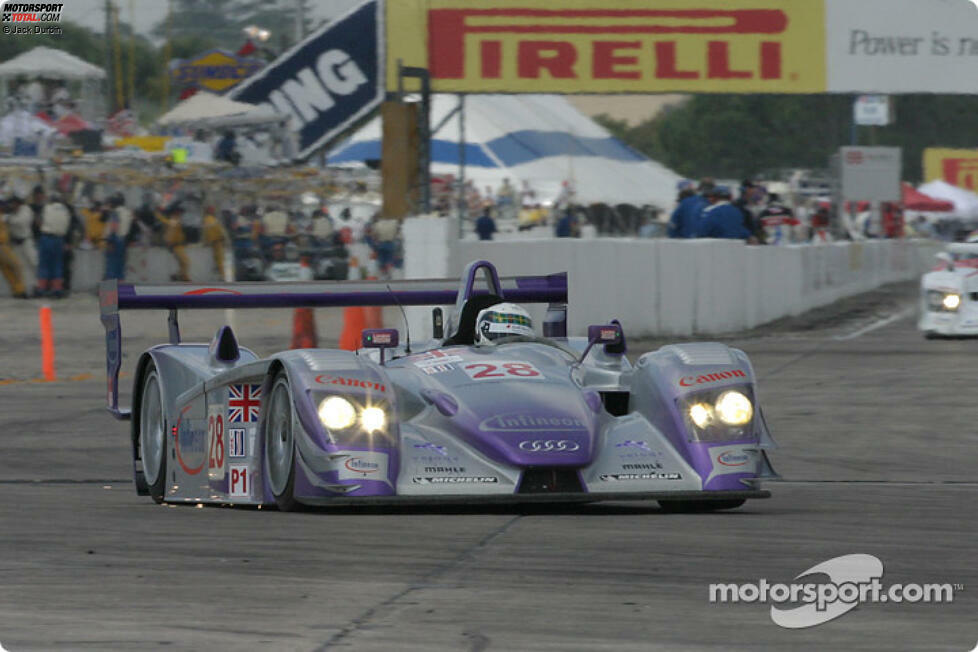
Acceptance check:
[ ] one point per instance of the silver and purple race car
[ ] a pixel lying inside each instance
(527, 418)
(949, 293)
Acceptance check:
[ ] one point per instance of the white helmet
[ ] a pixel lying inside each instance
(502, 320)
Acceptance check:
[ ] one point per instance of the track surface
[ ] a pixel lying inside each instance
(878, 437)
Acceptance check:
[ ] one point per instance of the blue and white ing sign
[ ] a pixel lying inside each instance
(328, 81)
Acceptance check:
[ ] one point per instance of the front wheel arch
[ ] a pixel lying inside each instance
(139, 479)
(276, 460)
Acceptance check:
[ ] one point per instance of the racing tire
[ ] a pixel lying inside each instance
(698, 506)
(152, 435)
(279, 441)
(931, 335)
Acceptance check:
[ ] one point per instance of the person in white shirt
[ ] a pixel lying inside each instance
(55, 220)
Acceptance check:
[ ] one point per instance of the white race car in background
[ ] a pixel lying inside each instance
(949, 293)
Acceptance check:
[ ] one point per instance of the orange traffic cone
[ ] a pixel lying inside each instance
(47, 344)
(304, 329)
(353, 324)
(373, 315)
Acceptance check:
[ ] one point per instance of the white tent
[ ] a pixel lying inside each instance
(21, 124)
(206, 109)
(539, 139)
(50, 63)
(965, 202)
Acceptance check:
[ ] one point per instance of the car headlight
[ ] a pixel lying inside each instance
(722, 414)
(337, 413)
(943, 301)
(373, 419)
(734, 409)
(701, 414)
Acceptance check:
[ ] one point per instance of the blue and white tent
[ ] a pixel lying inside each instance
(542, 140)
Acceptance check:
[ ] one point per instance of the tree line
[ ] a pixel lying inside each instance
(744, 136)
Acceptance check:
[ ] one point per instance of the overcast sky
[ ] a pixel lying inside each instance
(90, 13)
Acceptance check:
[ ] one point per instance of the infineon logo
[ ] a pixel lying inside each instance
(706, 379)
(531, 423)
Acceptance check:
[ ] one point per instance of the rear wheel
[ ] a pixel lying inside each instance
(279, 438)
(694, 506)
(152, 434)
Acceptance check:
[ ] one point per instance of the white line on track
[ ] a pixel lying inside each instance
(903, 314)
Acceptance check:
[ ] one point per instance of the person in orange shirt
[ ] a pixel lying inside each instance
(9, 264)
(176, 240)
(214, 236)
(94, 222)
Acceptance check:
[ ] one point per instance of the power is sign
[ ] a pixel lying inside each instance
(590, 46)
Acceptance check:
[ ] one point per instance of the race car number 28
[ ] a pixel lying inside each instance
(215, 443)
(496, 371)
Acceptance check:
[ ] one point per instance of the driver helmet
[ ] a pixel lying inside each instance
(502, 320)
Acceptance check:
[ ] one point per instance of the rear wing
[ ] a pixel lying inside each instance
(115, 296)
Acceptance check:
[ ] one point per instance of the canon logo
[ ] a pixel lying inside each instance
(705, 379)
(326, 379)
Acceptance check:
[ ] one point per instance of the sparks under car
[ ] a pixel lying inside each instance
(949, 293)
(531, 418)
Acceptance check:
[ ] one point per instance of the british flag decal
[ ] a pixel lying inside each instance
(243, 403)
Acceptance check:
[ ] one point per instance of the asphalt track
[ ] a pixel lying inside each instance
(878, 450)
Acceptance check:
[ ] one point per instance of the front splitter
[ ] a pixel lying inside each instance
(542, 498)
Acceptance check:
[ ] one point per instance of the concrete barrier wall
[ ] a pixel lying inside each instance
(655, 287)
(701, 287)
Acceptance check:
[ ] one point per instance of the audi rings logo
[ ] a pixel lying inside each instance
(549, 446)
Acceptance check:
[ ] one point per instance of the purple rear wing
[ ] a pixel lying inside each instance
(115, 296)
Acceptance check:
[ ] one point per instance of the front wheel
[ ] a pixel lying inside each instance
(152, 435)
(698, 506)
(279, 438)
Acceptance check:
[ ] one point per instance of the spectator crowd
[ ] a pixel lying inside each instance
(42, 232)
(758, 216)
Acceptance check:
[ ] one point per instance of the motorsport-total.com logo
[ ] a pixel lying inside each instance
(27, 17)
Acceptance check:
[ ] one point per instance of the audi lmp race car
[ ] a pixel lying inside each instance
(949, 293)
(523, 419)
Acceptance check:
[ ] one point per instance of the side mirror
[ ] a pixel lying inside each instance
(604, 334)
(947, 259)
(379, 338)
(609, 335)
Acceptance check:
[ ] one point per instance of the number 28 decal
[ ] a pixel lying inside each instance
(215, 442)
(501, 370)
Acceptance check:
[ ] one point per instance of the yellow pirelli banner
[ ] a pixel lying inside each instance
(611, 46)
(958, 167)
